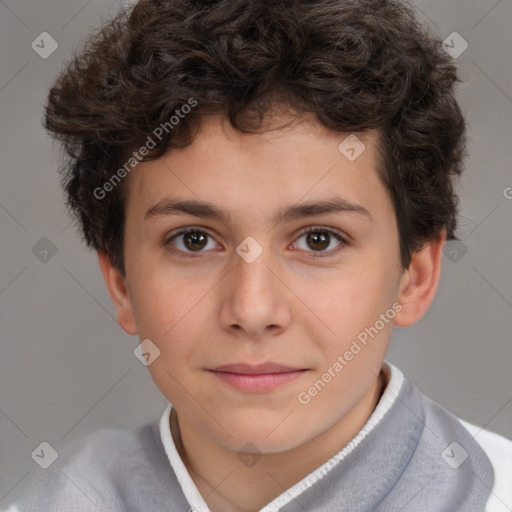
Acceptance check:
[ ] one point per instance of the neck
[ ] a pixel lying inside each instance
(248, 490)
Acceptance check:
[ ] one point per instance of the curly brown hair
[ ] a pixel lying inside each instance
(355, 65)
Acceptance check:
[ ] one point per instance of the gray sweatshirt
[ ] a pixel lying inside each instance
(412, 455)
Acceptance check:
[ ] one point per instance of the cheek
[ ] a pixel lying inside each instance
(164, 301)
(352, 299)
(351, 307)
(170, 313)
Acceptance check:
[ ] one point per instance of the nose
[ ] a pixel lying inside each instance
(255, 302)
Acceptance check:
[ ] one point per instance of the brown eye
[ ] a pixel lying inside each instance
(194, 240)
(190, 241)
(318, 240)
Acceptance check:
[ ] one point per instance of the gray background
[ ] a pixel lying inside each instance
(67, 368)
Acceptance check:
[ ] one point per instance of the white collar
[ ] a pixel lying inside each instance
(196, 501)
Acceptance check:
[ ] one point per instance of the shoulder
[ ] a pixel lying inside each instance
(499, 451)
(494, 447)
(482, 458)
(446, 457)
(94, 472)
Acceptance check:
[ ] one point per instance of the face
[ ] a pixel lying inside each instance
(254, 276)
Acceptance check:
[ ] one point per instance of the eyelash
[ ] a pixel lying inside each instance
(311, 229)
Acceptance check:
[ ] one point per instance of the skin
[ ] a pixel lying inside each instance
(287, 306)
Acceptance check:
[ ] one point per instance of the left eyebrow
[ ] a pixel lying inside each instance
(323, 207)
(202, 209)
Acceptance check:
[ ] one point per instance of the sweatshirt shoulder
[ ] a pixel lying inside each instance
(94, 472)
(499, 450)
(459, 449)
(447, 460)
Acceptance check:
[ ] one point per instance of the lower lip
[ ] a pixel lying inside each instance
(258, 382)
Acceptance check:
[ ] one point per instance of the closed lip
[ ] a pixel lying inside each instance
(258, 369)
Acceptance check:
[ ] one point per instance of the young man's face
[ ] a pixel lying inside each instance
(210, 298)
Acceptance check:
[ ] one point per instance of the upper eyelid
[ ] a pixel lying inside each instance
(185, 230)
(332, 231)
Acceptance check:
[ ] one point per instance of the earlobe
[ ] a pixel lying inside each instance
(118, 291)
(419, 282)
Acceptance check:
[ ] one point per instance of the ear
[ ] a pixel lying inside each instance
(418, 284)
(118, 291)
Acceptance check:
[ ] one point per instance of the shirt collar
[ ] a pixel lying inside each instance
(395, 380)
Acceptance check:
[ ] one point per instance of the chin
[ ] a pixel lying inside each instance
(260, 437)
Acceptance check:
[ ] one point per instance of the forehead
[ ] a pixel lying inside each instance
(256, 172)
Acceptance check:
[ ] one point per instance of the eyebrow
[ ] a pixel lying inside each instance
(202, 209)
